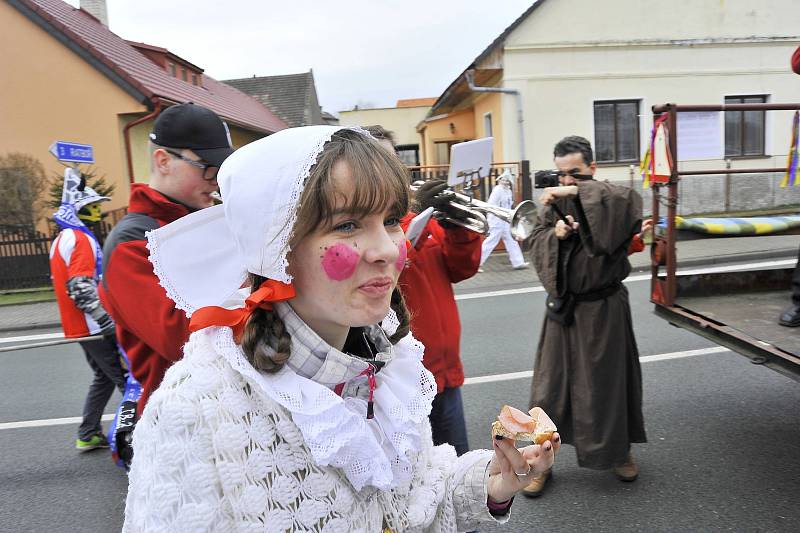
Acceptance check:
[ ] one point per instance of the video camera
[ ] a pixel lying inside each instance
(545, 178)
(549, 178)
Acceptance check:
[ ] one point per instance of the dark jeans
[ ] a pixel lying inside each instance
(447, 420)
(796, 283)
(103, 358)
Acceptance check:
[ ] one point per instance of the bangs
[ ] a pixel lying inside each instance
(380, 183)
(377, 187)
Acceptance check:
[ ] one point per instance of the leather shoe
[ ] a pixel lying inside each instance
(790, 316)
(628, 471)
(536, 487)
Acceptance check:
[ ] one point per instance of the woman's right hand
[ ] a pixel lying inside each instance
(513, 469)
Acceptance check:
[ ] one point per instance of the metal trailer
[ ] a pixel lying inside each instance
(737, 309)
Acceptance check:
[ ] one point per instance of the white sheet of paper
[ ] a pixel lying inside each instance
(469, 156)
(700, 135)
(417, 224)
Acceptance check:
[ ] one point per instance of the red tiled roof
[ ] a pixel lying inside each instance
(145, 76)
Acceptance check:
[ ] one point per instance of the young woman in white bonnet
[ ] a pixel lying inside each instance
(304, 408)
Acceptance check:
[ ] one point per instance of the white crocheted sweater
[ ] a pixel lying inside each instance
(221, 447)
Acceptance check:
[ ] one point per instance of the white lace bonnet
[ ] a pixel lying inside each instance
(203, 258)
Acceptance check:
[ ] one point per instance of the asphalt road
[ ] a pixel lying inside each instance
(724, 450)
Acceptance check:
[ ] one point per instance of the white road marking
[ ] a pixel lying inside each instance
(646, 359)
(639, 277)
(28, 338)
(49, 422)
(505, 292)
(467, 381)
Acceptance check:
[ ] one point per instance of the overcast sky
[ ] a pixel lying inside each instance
(369, 53)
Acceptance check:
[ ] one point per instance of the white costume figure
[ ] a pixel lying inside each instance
(224, 446)
(502, 196)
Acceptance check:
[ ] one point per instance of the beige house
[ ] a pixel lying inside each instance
(67, 77)
(401, 120)
(595, 69)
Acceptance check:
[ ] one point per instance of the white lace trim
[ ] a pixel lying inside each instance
(373, 452)
(153, 244)
(288, 217)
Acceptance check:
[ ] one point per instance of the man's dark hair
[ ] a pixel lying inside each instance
(380, 133)
(574, 144)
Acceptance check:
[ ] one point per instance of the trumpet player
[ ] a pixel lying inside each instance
(502, 196)
(445, 253)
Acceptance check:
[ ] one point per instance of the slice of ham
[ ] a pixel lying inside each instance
(544, 425)
(533, 426)
(516, 421)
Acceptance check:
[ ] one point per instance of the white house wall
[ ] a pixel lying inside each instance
(570, 53)
(571, 21)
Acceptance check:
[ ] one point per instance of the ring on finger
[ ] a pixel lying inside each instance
(524, 473)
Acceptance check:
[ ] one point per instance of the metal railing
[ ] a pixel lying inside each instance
(663, 251)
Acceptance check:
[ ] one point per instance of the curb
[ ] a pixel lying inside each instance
(27, 303)
(730, 258)
(11, 329)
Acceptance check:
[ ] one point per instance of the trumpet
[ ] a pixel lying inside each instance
(522, 218)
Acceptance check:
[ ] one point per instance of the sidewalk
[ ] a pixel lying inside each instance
(499, 275)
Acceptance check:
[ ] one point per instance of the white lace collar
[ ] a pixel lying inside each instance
(371, 452)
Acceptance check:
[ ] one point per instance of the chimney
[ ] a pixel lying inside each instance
(97, 9)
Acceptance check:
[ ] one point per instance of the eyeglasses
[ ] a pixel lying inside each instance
(209, 171)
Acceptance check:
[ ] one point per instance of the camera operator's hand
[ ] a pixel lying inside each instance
(551, 194)
(647, 226)
(564, 230)
(435, 193)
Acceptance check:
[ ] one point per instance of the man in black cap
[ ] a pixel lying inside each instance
(188, 145)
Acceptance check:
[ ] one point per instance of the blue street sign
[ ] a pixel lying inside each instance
(72, 152)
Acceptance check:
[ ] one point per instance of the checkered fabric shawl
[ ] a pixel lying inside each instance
(315, 359)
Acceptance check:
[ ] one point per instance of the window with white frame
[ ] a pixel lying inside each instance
(616, 131)
(487, 124)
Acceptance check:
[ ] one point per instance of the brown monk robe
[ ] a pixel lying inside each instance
(587, 375)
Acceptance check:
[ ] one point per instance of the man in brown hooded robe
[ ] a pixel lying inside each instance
(587, 375)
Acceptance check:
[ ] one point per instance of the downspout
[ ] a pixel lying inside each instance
(470, 77)
(126, 134)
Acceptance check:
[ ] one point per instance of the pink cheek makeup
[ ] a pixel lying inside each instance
(402, 253)
(340, 261)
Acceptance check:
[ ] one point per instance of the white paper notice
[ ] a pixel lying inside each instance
(700, 135)
(470, 156)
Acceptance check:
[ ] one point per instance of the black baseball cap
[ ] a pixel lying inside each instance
(196, 128)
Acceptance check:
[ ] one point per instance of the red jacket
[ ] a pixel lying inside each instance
(149, 327)
(72, 254)
(441, 257)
